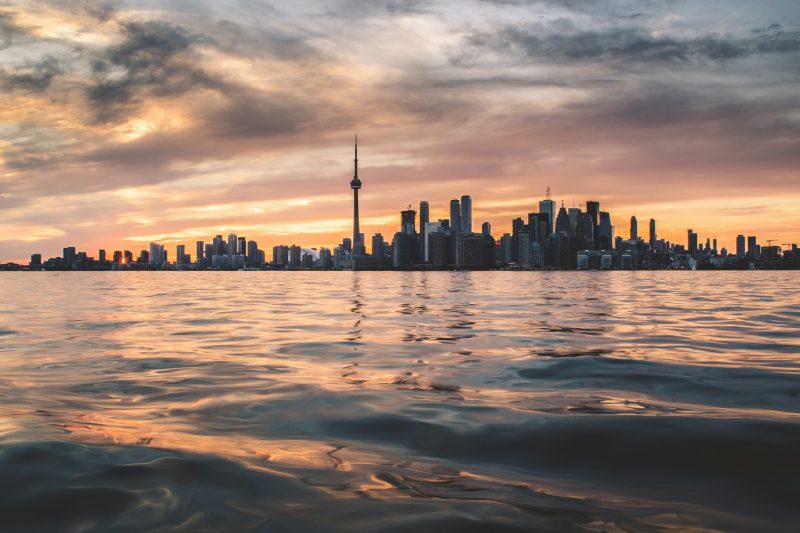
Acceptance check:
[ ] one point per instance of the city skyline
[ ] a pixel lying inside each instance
(545, 238)
(133, 122)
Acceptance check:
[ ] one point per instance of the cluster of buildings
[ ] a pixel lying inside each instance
(547, 238)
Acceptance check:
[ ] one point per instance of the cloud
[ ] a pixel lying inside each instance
(34, 77)
(154, 57)
(562, 42)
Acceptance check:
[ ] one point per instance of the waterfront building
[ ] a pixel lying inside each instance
(548, 208)
(653, 237)
(466, 215)
(740, 251)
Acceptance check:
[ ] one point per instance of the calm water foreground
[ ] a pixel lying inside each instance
(383, 401)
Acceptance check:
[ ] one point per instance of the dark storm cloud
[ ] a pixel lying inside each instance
(561, 42)
(32, 77)
(155, 59)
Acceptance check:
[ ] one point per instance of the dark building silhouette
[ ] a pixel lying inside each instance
(692, 242)
(562, 222)
(355, 184)
(593, 208)
(653, 236)
(605, 232)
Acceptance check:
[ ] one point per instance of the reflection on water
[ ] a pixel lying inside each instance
(390, 401)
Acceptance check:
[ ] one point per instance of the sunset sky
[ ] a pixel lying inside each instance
(135, 121)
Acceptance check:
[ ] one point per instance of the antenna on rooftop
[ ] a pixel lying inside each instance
(548, 192)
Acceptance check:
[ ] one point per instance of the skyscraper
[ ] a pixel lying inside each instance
(232, 243)
(199, 256)
(604, 232)
(455, 216)
(486, 229)
(692, 242)
(740, 245)
(653, 236)
(466, 215)
(563, 224)
(548, 207)
(593, 208)
(377, 246)
(408, 222)
(752, 246)
(634, 229)
(424, 218)
(355, 184)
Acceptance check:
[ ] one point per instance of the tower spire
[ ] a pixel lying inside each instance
(355, 184)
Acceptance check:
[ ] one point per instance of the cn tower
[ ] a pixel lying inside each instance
(355, 184)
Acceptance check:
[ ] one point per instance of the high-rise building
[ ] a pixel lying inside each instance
(200, 248)
(69, 256)
(653, 236)
(251, 257)
(593, 208)
(752, 246)
(692, 242)
(634, 229)
(181, 254)
(377, 245)
(740, 245)
(548, 207)
(466, 215)
(574, 213)
(157, 255)
(455, 216)
(36, 261)
(584, 231)
(432, 227)
(101, 256)
(517, 228)
(424, 218)
(241, 248)
(455, 232)
(604, 232)
(355, 184)
(280, 255)
(486, 229)
(325, 258)
(232, 243)
(295, 256)
(563, 224)
(408, 220)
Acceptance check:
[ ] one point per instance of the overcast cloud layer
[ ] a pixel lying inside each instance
(125, 122)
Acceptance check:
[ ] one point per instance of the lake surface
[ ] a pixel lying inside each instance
(400, 401)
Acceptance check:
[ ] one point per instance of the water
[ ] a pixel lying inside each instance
(385, 401)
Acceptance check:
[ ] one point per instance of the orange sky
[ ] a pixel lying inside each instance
(132, 123)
